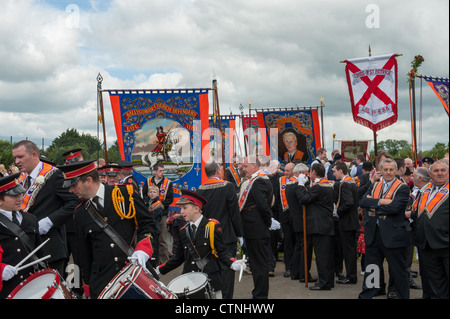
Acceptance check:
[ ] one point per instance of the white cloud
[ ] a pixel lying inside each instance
(277, 54)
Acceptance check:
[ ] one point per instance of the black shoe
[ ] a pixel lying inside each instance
(346, 281)
(414, 273)
(413, 285)
(302, 280)
(287, 274)
(318, 287)
(392, 295)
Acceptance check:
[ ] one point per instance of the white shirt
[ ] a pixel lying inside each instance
(8, 214)
(101, 195)
(35, 173)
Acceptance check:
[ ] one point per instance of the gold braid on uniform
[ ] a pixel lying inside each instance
(211, 226)
(118, 199)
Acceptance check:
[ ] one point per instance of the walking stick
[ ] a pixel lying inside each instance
(305, 253)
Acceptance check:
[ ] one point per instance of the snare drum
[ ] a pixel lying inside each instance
(193, 285)
(44, 284)
(134, 282)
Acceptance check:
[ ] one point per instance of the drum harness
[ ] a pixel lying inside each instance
(23, 238)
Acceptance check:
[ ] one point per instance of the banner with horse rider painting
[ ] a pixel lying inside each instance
(163, 126)
(290, 134)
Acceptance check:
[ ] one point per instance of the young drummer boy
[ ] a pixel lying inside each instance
(202, 244)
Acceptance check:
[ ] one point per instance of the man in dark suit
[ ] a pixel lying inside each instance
(255, 199)
(432, 231)
(364, 179)
(319, 201)
(199, 252)
(300, 172)
(347, 211)
(223, 206)
(46, 199)
(385, 231)
(233, 173)
(15, 246)
(102, 257)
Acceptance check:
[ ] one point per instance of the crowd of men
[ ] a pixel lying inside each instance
(327, 212)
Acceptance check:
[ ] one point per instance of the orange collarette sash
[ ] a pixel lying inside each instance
(378, 190)
(430, 203)
(163, 189)
(236, 177)
(283, 183)
(33, 190)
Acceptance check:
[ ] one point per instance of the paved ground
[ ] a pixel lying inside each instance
(285, 288)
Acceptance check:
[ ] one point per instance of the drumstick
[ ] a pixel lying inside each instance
(242, 269)
(33, 262)
(31, 254)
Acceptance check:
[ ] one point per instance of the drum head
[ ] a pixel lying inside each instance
(37, 285)
(191, 282)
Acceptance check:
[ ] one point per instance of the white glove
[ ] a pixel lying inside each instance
(157, 271)
(238, 264)
(275, 225)
(302, 179)
(241, 241)
(141, 258)
(44, 225)
(9, 272)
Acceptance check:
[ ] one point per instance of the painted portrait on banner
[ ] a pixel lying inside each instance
(298, 134)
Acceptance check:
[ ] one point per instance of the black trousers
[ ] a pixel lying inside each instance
(258, 251)
(324, 259)
(436, 265)
(227, 275)
(298, 261)
(288, 243)
(375, 254)
(348, 243)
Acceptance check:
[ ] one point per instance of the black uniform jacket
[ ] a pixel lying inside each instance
(14, 250)
(257, 214)
(319, 201)
(223, 206)
(58, 204)
(390, 219)
(202, 246)
(348, 204)
(100, 258)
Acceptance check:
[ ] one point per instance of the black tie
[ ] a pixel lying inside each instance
(14, 218)
(96, 200)
(28, 181)
(192, 229)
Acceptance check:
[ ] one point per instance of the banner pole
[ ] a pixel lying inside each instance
(100, 97)
(217, 111)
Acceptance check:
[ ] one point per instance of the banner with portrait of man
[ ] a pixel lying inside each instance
(163, 126)
(297, 134)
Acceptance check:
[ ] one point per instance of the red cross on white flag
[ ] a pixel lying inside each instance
(372, 84)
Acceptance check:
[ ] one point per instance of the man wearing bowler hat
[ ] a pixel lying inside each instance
(107, 207)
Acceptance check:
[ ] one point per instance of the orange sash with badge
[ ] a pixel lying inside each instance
(28, 200)
(430, 203)
(378, 190)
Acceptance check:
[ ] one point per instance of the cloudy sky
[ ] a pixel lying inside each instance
(281, 53)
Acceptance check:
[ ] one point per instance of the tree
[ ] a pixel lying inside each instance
(69, 140)
(396, 148)
(6, 157)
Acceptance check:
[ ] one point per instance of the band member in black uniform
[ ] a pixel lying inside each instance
(102, 256)
(126, 174)
(385, 234)
(347, 210)
(46, 199)
(223, 206)
(202, 244)
(16, 245)
(255, 200)
(319, 201)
